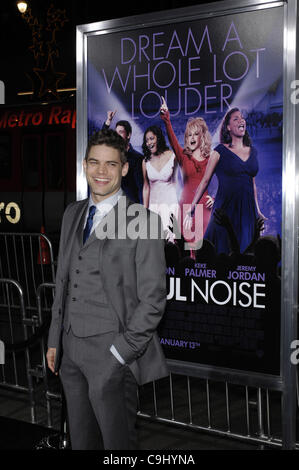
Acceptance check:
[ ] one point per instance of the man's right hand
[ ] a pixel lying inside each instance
(51, 354)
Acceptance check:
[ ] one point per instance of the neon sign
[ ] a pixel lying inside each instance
(56, 116)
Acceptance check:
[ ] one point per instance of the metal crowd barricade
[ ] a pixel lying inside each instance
(16, 370)
(225, 403)
(228, 403)
(222, 402)
(28, 259)
(52, 387)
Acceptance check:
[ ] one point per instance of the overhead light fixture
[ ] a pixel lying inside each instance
(22, 7)
(59, 90)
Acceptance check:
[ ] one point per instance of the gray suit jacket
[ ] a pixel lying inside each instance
(133, 273)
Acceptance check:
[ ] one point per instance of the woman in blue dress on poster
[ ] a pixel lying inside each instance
(235, 164)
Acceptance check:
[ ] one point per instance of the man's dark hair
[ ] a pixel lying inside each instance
(126, 125)
(110, 138)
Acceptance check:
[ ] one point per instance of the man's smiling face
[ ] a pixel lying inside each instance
(104, 171)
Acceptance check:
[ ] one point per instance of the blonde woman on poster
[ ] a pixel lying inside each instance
(193, 159)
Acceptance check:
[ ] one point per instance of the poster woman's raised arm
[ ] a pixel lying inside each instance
(165, 116)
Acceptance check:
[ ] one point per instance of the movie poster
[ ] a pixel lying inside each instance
(223, 303)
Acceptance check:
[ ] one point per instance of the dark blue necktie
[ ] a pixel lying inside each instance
(88, 225)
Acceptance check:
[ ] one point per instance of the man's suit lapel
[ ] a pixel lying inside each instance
(119, 215)
(114, 222)
(90, 239)
(118, 218)
(73, 226)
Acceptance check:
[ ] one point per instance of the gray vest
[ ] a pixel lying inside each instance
(86, 308)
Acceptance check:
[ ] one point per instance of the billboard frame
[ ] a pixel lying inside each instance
(285, 382)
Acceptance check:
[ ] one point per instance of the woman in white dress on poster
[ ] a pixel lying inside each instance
(159, 173)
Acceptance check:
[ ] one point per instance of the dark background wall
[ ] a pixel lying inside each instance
(18, 59)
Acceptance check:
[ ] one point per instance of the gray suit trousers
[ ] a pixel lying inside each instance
(101, 394)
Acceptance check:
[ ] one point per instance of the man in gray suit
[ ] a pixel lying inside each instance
(109, 299)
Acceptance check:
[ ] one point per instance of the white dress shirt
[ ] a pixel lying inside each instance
(102, 208)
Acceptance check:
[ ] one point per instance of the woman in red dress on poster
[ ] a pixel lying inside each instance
(193, 159)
